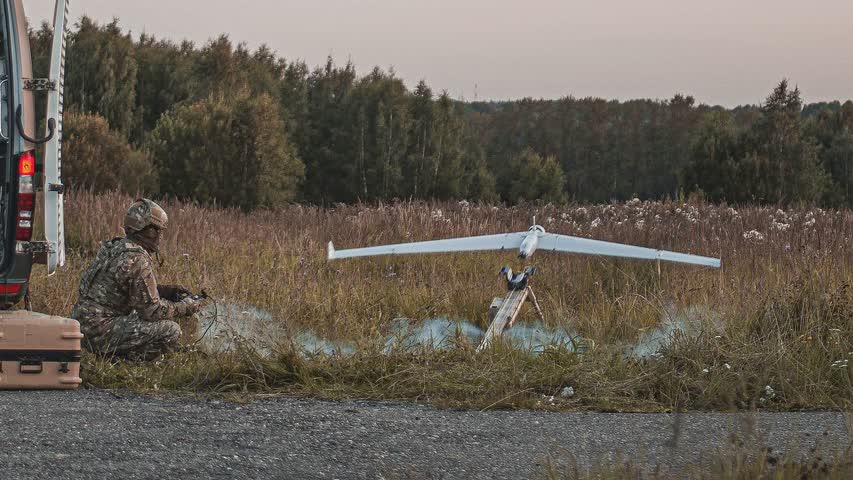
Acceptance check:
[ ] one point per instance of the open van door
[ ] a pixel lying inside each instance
(14, 66)
(18, 144)
(54, 221)
(7, 241)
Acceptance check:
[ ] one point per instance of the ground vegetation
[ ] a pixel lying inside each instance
(772, 329)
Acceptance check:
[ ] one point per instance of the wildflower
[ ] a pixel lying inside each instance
(728, 367)
(810, 222)
(595, 223)
(769, 394)
(779, 226)
(549, 220)
(640, 224)
(705, 370)
(754, 235)
(692, 214)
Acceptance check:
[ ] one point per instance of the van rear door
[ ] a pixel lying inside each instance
(10, 93)
(53, 189)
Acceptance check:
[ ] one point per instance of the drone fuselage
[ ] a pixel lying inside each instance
(531, 241)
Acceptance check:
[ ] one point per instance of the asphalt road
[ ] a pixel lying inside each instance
(96, 434)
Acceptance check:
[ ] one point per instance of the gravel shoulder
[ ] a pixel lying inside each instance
(98, 434)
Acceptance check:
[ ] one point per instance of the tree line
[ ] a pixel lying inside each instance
(221, 124)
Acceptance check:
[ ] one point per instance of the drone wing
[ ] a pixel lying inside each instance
(503, 241)
(565, 243)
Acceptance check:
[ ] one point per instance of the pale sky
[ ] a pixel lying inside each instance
(725, 52)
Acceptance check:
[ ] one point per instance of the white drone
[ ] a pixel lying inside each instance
(504, 312)
(535, 238)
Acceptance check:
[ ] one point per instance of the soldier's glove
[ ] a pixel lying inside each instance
(175, 293)
(190, 305)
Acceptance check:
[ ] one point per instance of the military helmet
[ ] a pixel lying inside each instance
(144, 213)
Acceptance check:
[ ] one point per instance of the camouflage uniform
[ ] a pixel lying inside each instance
(121, 308)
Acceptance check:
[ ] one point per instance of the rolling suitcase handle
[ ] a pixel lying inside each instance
(30, 366)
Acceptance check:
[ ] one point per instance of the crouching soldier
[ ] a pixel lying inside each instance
(121, 309)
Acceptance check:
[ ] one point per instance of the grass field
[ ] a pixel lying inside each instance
(776, 321)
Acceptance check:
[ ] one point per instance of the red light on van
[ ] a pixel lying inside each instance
(10, 288)
(27, 164)
(26, 197)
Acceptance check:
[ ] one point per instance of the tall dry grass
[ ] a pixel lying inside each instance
(781, 306)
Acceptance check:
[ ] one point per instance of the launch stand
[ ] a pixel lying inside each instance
(503, 312)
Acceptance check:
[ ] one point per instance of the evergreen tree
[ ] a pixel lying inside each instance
(783, 159)
(421, 155)
(713, 168)
(533, 178)
(164, 79)
(230, 151)
(325, 143)
(839, 164)
(101, 73)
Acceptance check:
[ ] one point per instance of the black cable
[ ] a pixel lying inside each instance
(212, 321)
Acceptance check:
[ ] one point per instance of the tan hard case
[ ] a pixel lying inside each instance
(39, 351)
